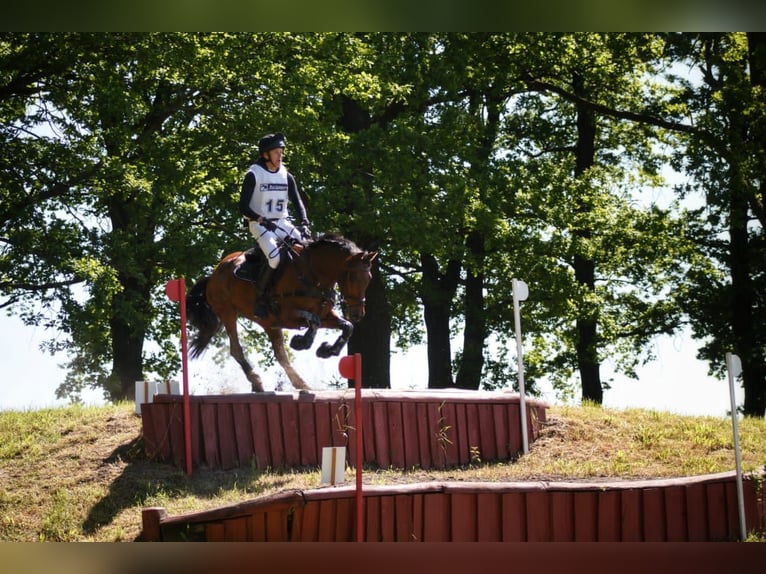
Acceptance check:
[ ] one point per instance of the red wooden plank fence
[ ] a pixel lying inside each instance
(401, 429)
(702, 508)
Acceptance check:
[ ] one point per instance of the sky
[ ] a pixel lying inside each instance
(676, 382)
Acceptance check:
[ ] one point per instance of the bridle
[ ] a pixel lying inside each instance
(349, 300)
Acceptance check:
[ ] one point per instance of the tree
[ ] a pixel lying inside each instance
(614, 251)
(455, 229)
(130, 139)
(723, 153)
(352, 106)
(726, 155)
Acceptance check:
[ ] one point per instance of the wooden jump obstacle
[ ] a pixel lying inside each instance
(693, 509)
(402, 429)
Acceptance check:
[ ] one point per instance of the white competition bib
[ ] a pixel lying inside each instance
(270, 194)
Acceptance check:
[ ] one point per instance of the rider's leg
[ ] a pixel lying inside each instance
(261, 287)
(267, 241)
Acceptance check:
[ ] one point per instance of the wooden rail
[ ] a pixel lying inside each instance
(694, 509)
(401, 429)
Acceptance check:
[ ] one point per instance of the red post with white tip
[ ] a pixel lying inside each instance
(175, 289)
(350, 367)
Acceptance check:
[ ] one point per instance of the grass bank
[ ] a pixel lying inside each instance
(80, 474)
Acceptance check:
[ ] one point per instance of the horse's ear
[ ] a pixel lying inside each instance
(370, 257)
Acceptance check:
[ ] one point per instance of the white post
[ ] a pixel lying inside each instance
(520, 293)
(734, 366)
(333, 465)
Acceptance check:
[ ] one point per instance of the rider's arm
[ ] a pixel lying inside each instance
(293, 194)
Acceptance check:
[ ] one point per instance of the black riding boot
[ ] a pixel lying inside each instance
(261, 309)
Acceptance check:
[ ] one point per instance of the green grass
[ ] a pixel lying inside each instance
(80, 473)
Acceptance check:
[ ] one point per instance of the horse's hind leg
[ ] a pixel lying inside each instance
(235, 348)
(278, 345)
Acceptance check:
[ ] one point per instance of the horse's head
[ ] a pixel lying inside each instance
(353, 284)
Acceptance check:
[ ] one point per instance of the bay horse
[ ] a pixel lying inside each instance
(303, 295)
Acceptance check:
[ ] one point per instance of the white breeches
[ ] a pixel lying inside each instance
(269, 242)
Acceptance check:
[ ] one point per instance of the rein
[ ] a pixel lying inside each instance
(328, 295)
(312, 291)
(325, 295)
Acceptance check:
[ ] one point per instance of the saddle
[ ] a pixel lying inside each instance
(249, 269)
(253, 263)
(251, 266)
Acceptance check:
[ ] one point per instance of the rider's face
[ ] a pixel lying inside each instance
(275, 157)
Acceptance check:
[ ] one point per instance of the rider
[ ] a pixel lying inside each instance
(266, 190)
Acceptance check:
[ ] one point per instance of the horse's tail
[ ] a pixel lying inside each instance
(201, 317)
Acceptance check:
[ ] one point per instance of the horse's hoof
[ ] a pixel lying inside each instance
(298, 343)
(324, 351)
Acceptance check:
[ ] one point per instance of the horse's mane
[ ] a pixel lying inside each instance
(330, 239)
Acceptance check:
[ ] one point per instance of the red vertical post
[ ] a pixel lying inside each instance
(351, 368)
(359, 452)
(176, 291)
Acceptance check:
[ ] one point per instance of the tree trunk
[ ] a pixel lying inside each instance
(754, 383)
(753, 360)
(132, 236)
(372, 336)
(488, 106)
(587, 338)
(436, 295)
(472, 363)
(756, 42)
(127, 355)
(742, 305)
(131, 310)
(742, 261)
(584, 268)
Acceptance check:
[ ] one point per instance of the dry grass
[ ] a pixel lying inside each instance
(80, 474)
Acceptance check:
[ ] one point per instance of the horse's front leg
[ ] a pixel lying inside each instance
(334, 321)
(303, 341)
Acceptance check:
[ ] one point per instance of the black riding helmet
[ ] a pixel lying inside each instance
(270, 142)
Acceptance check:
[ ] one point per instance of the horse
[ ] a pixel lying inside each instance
(303, 295)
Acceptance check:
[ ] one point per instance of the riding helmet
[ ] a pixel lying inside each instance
(270, 142)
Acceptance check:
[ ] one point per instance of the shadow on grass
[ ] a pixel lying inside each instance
(143, 482)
